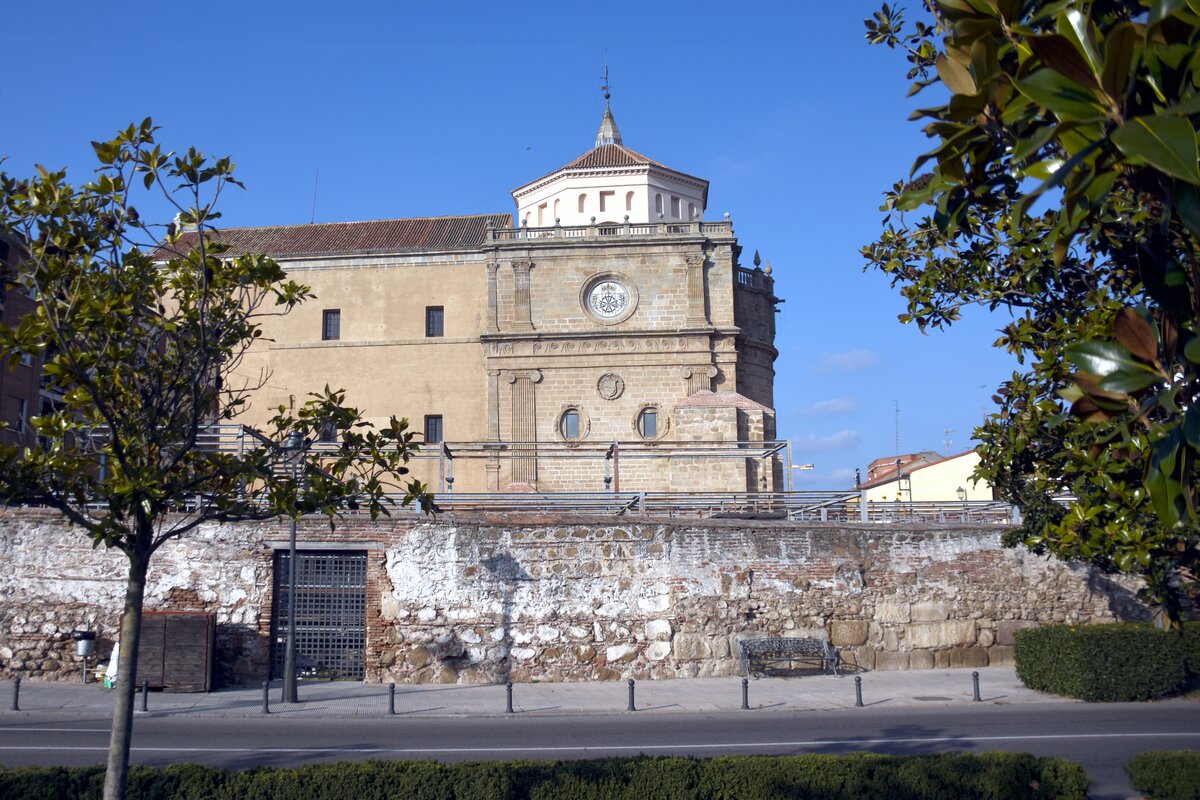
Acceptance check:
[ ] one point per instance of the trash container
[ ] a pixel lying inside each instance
(85, 643)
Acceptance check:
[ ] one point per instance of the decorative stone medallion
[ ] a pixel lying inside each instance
(608, 298)
(610, 386)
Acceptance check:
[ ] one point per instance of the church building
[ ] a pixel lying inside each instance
(610, 312)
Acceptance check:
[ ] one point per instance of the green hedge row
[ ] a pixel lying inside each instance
(988, 776)
(1166, 776)
(1108, 663)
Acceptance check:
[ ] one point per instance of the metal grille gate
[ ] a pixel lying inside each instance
(331, 614)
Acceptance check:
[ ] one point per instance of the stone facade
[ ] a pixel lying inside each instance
(532, 322)
(473, 599)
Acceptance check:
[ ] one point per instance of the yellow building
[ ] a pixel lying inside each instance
(613, 313)
(925, 478)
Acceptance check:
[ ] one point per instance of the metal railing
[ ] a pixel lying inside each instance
(611, 230)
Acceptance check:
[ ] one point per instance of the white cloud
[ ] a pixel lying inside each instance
(835, 441)
(847, 361)
(836, 405)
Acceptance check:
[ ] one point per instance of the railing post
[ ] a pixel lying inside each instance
(863, 511)
(641, 503)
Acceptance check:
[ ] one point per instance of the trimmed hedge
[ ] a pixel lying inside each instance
(1166, 776)
(987, 776)
(1191, 648)
(1106, 663)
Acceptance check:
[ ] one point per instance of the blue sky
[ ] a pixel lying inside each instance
(422, 109)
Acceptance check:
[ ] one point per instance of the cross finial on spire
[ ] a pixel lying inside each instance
(608, 133)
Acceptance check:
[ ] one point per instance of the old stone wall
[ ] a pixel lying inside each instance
(482, 600)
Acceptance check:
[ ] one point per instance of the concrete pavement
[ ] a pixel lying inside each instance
(919, 688)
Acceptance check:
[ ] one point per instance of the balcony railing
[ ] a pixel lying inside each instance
(612, 230)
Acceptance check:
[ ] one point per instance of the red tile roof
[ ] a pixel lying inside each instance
(423, 234)
(608, 156)
(707, 399)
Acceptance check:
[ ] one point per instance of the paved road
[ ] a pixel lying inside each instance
(1101, 737)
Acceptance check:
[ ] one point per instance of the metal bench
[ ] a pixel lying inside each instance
(761, 655)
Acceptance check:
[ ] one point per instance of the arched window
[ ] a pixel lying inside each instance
(557, 215)
(647, 423)
(691, 211)
(629, 201)
(582, 202)
(658, 204)
(571, 425)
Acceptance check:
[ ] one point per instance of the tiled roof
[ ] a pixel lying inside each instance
(707, 399)
(422, 234)
(608, 156)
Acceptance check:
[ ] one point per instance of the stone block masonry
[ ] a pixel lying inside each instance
(480, 600)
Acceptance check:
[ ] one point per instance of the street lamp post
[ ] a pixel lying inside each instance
(791, 467)
(293, 446)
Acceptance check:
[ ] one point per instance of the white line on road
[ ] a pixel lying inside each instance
(636, 748)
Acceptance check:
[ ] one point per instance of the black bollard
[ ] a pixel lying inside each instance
(745, 694)
(632, 707)
(975, 680)
(266, 697)
(858, 691)
(391, 698)
(145, 695)
(508, 692)
(16, 705)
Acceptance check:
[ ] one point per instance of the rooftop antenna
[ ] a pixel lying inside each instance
(948, 442)
(316, 181)
(897, 402)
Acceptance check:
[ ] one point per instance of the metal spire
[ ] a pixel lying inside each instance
(608, 133)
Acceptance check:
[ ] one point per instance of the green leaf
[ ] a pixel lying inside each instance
(1191, 427)
(1129, 380)
(1101, 358)
(956, 77)
(1059, 54)
(1164, 142)
(1163, 479)
(1191, 350)
(1062, 96)
(1119, 48)
(1161, 9)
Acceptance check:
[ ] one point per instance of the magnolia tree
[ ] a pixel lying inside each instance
(1063, 189)
(142, 332)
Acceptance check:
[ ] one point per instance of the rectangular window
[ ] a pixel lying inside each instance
(19, 412)
(675, 207)
(435, 321)
(331, 324)
(433, 428)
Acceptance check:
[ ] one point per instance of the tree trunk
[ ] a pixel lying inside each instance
(122, 721)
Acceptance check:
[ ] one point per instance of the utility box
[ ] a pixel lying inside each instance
(176, 650)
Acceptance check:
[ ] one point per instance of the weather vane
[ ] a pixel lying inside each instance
(605, 86)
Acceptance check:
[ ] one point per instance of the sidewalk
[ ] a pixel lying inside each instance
(925, 688)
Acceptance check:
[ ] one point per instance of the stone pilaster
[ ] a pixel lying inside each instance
(696, 313)
(493, 402)
(524, 424)
(699, 378)
(522, 318)
(493, 304)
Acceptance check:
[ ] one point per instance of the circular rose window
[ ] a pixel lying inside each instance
(608, 299)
